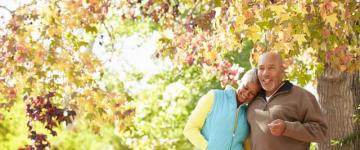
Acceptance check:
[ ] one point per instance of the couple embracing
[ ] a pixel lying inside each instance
(264, 113)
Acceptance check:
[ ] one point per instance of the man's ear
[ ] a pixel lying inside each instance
(283, 71)
(283, 66)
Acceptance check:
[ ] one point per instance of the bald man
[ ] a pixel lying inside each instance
(283, 116)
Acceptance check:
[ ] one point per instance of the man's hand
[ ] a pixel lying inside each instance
(277, 127)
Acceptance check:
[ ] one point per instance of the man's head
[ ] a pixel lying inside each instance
(270, 72)
(249, 86)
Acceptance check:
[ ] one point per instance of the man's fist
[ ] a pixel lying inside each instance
(277, 127)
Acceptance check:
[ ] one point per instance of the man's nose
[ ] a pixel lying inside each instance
(265, 72)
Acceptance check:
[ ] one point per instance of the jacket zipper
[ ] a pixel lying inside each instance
(235, 126)
(267, 101)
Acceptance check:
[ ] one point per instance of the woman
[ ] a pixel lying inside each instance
(219, 119)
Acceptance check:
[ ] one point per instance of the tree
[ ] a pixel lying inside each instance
(49, 67)
(340, 88)
(47, 48)
(319, 39)
(163, 109)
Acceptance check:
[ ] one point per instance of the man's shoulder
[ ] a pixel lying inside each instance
(301, 91)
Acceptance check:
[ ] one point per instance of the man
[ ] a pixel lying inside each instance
(283, 116)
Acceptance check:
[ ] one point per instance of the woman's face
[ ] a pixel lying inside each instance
(247, 92)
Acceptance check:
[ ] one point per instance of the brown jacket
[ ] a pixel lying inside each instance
(301, 113)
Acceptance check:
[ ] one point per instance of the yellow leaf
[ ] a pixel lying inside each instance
(239, 22)
(323, 46)
(282, 46)
(300, 38)
(278, 9)
(331, 19)
(278, 46)
(347, 29)
(315, 44)
(284, 17)
(288, 46)
(253, 33)
(211, 55)
(284, 35)
(306, 30)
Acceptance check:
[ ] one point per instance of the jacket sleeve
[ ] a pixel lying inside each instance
(196, 121)
(313, 128)
(247, 143)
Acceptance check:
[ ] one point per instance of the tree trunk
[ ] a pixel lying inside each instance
(339, 97)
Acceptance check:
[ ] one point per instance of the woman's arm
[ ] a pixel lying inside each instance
(196, 121)
(247, 143)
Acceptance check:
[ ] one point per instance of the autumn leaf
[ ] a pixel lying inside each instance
(300, 38)
(239, 23)
(325, 32)
(278, 9)
(331, 19)
(91, 29)
(253, 32)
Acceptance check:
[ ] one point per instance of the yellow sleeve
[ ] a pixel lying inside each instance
(196, 121)
(247, 143)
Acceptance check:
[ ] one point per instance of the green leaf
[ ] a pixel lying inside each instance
(218, 3)
(241, 57)
(91, 29)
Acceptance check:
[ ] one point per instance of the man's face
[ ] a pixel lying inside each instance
(270, 72)
(247, 92)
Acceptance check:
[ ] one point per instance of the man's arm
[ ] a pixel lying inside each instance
(314, 127)
(196, 121)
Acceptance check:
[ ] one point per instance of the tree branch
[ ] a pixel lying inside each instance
(110, 35)
(13, 11)
(7, 9)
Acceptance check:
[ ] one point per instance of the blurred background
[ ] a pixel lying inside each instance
(126, 74)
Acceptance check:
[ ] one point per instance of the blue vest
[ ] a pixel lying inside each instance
(226, 126)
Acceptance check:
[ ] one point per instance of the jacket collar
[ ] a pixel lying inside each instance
(286, 87)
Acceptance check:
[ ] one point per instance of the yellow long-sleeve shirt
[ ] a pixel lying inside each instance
(196, 121)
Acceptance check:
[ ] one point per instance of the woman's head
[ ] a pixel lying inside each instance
(249, 86)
